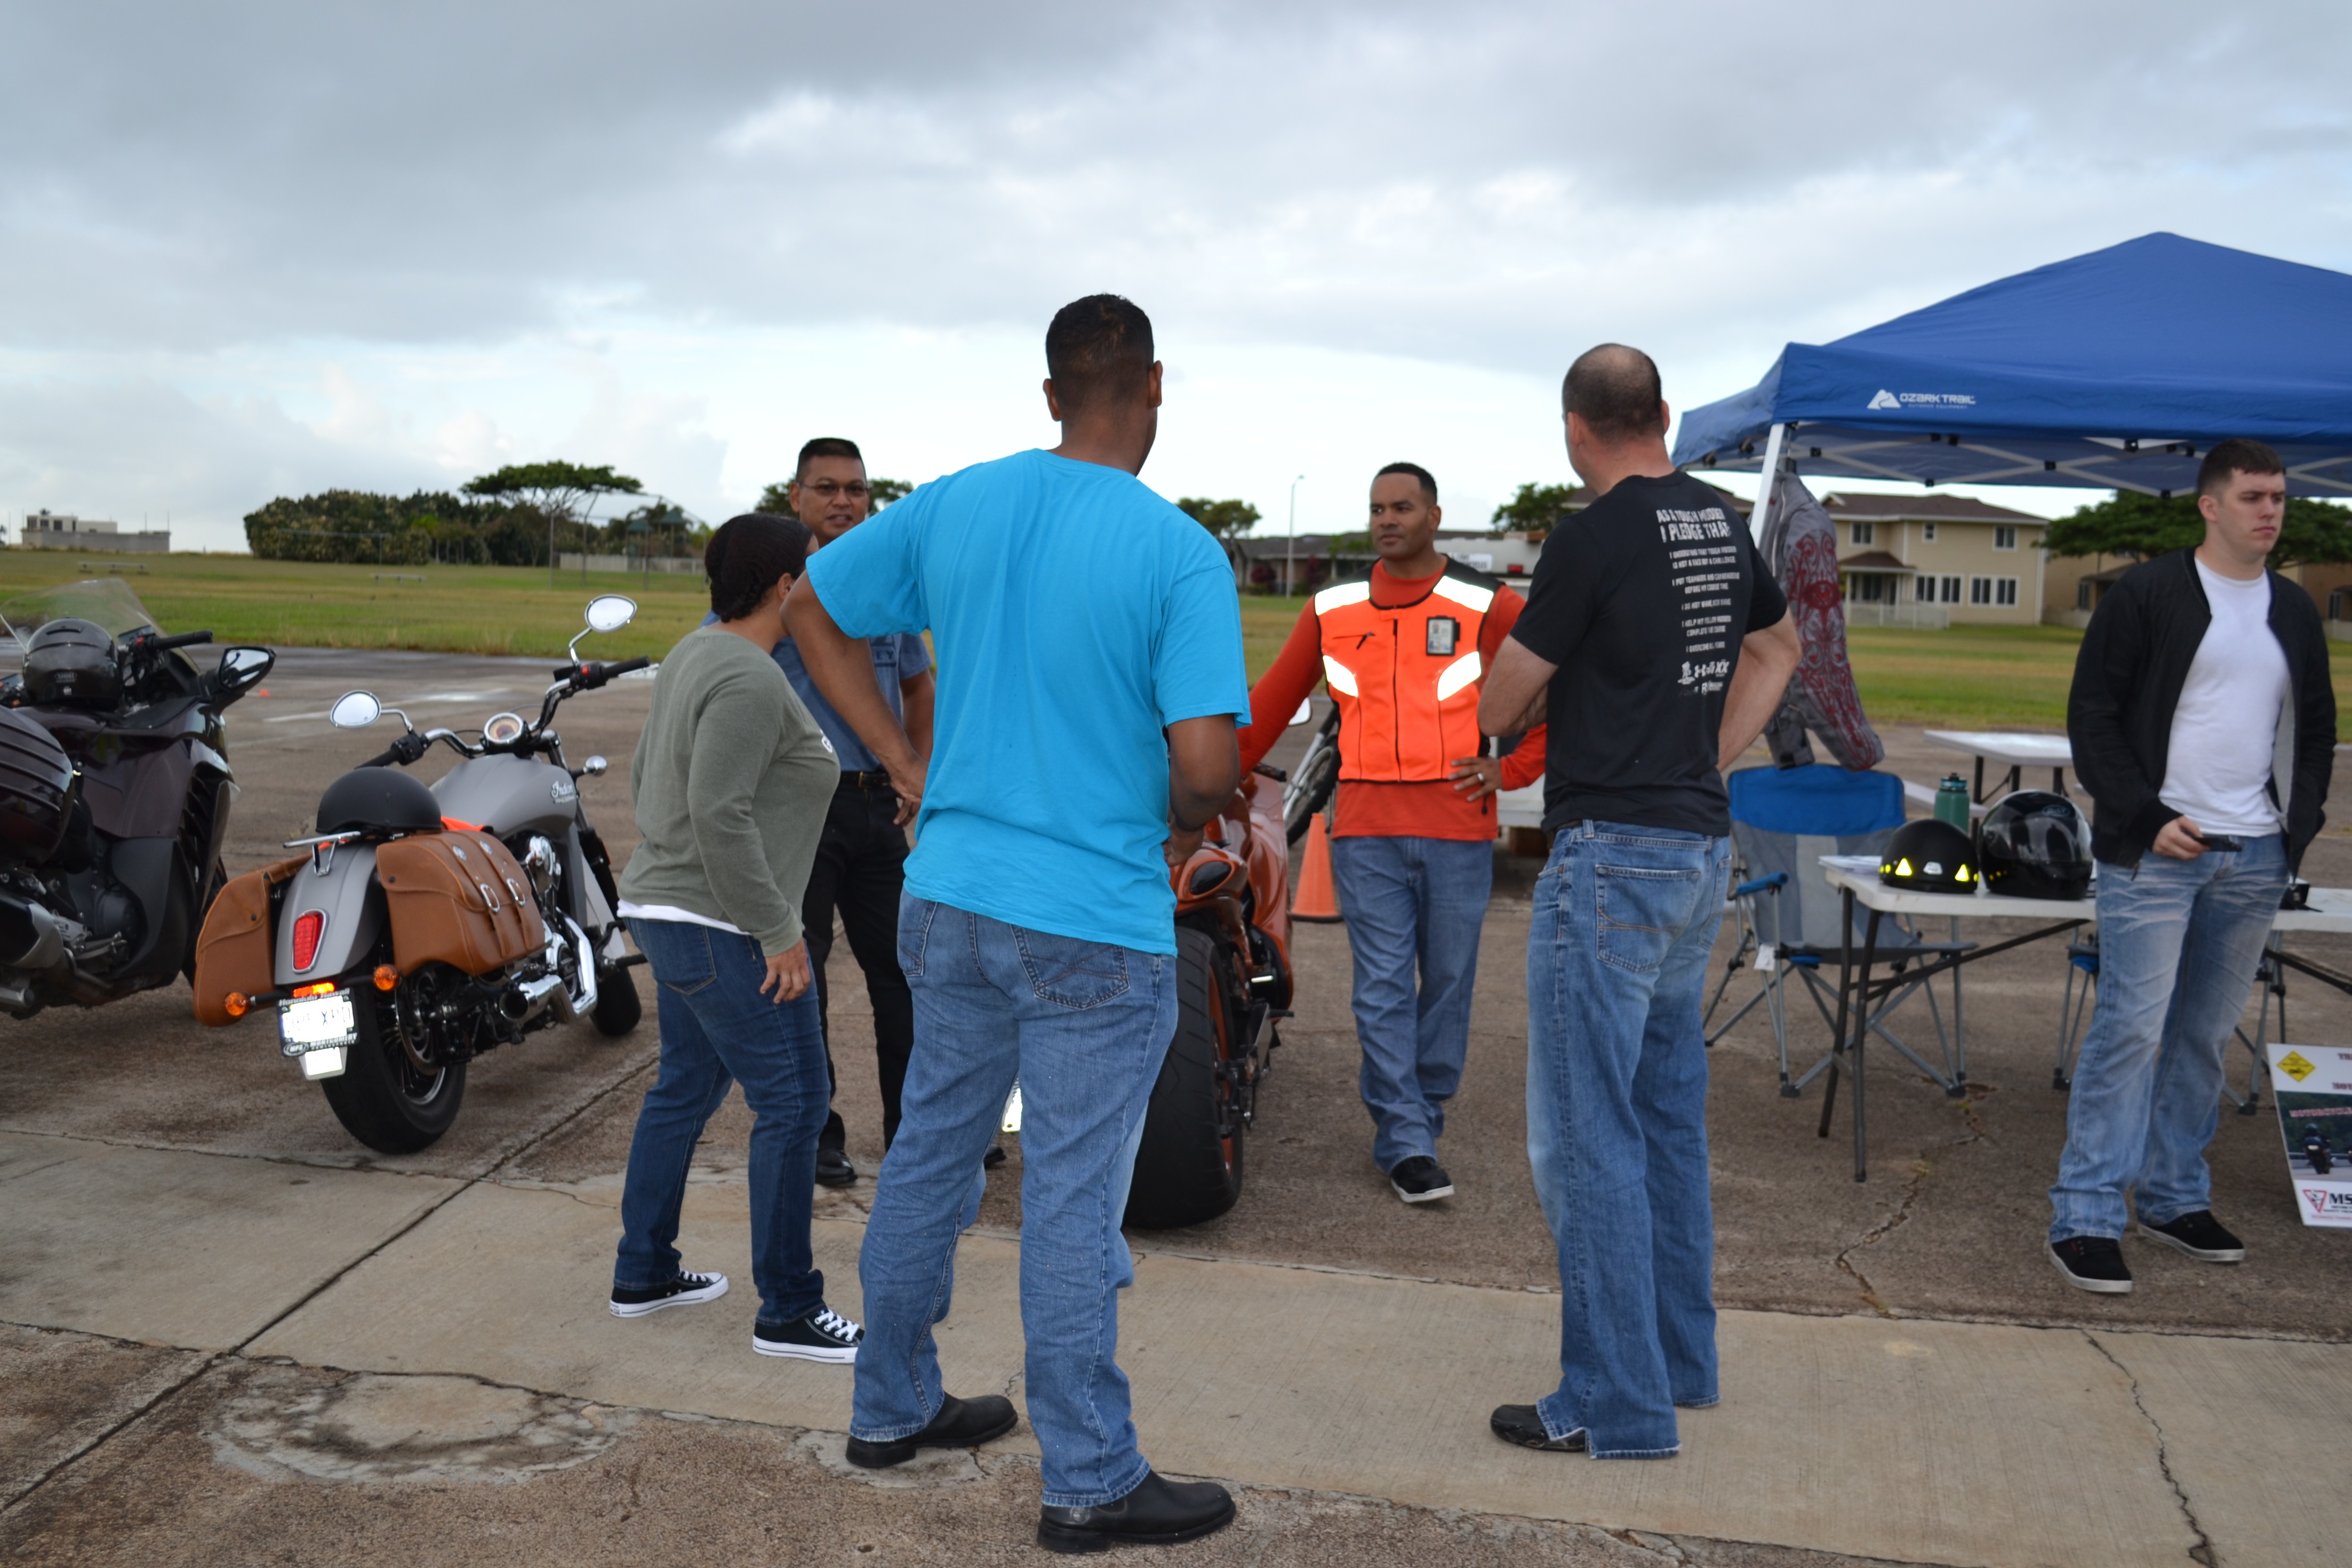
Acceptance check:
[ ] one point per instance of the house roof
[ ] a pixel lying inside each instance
(1922, 509)
(1874, 560)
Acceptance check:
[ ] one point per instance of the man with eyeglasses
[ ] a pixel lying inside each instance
(861, 856)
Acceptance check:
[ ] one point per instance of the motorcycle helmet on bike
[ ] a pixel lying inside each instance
(378, 800)
(70, 664)
(1929, 856)
(2035, 845)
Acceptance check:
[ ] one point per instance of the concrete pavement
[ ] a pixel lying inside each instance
(242, 1338)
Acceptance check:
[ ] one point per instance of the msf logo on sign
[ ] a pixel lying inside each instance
(2329, 1204)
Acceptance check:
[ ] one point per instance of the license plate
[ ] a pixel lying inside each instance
(308, 1024)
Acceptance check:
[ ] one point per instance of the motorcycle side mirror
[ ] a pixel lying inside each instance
(593, 768)
(1305, 712)
(241, 668)
(354, 710)
(610, 612)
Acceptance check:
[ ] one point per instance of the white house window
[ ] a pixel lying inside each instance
(2004, 536)
(1928, 532)
(1979, 590)
(2004, 592)
(1951, 590)
(1863, 532)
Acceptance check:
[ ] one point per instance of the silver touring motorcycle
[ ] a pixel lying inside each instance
(425, 926)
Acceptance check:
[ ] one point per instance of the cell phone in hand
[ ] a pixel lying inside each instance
(2221, 841)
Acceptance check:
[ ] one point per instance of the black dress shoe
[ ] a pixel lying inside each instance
(1523, 1425)
(961, 1424)
(833, 1167)
(1158, 1513)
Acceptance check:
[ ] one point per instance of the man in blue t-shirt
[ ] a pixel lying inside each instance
(861, 859)
(1090, 682)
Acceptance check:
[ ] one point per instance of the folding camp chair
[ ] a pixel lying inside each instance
(1783, 822)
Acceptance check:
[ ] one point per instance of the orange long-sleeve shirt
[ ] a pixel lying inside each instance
(1428, 809)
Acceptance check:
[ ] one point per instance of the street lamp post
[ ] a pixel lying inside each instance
(1290, 539)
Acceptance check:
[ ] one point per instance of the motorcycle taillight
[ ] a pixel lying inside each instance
(308, 927)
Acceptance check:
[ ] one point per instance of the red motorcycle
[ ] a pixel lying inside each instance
(1233, 979)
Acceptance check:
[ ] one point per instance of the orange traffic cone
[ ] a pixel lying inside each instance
(1314, 898)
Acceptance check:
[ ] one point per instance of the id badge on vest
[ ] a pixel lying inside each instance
(1444, 633)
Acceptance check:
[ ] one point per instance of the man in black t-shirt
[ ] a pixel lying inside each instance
(1656, 646)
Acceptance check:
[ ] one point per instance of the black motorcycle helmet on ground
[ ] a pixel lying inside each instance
(70, 664)
(1929, 856)
(378, 800)
(2034, 844)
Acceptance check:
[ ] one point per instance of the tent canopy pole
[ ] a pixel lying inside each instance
(1760, 513)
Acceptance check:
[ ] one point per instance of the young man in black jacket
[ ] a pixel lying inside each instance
(2204, 727)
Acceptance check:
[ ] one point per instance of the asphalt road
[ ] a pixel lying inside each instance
(1950, 1228)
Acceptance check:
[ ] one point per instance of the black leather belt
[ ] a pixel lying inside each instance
(871, 778)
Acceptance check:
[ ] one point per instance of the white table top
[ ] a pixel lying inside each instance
(2012, 748)
(2330, 910)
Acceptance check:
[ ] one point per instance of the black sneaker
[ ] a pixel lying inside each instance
(993, 1158)
(2094, 1263)
(1420, 1179)
(833, 1167)
(1521, 1424)
(2201, 1236)
(823, 1335)
(1160, 1513)
(686, 1291)
(961, 1424)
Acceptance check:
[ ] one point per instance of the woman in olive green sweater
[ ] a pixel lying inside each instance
(732, 779)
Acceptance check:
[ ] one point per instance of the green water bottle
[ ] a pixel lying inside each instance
(1952, 801)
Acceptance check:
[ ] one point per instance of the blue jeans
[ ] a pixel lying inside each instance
(716, 1029)
(2178, 944)
(1617, 955)
(1084, 1025)
(1411, 901)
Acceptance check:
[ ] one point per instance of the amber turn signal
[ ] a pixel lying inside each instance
(237, 1004)
(386, 977)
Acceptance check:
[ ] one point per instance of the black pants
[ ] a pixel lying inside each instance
(860, 867)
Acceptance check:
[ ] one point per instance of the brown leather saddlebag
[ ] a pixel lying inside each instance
(236, 950)
(458, 898)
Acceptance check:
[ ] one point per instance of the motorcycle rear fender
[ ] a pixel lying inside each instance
(346, 894)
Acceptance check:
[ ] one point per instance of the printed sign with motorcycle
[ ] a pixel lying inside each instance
(2313, 1087)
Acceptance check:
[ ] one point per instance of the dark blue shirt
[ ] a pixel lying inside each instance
(899, 657)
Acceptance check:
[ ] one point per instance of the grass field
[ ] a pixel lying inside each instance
(1977, 677)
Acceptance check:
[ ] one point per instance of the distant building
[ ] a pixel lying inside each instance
(1935, 559)
(1273, 562)
(46, 529)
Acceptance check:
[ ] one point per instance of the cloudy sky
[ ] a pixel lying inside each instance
(252, 250)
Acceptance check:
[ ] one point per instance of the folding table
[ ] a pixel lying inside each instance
(2014, 750)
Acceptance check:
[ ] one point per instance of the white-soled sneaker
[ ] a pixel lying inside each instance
(686, 1291)
(823, 1335)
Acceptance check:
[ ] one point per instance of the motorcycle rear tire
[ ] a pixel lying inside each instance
(1190, 1166)
(380, 1097)
(619, 1006)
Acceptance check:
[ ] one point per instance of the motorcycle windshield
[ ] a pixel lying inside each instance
(106, 601)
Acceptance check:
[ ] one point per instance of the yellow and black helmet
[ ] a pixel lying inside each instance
(1929, 856)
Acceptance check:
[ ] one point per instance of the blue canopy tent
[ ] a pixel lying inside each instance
(2111, 370)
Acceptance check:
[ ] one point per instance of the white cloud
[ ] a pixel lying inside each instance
(279, 245)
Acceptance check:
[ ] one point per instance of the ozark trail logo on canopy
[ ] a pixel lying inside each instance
(1907, 400)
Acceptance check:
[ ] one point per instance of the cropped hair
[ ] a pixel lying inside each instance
(1097, 347)
(2235, 455)
(746, 556)
(1616, 391)
(826, 447)
(1428, 480)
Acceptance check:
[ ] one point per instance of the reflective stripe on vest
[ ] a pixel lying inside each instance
(1405, 678)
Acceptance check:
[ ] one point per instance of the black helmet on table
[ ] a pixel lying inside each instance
(70, 664)
(2035, 845)
(1929, 856)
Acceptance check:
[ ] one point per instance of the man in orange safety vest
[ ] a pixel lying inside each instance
(1404, 650)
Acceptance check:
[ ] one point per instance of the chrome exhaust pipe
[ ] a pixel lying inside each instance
(526, 999)
(18, 999)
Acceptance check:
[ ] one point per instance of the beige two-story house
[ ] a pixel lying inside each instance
(1936, 560)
